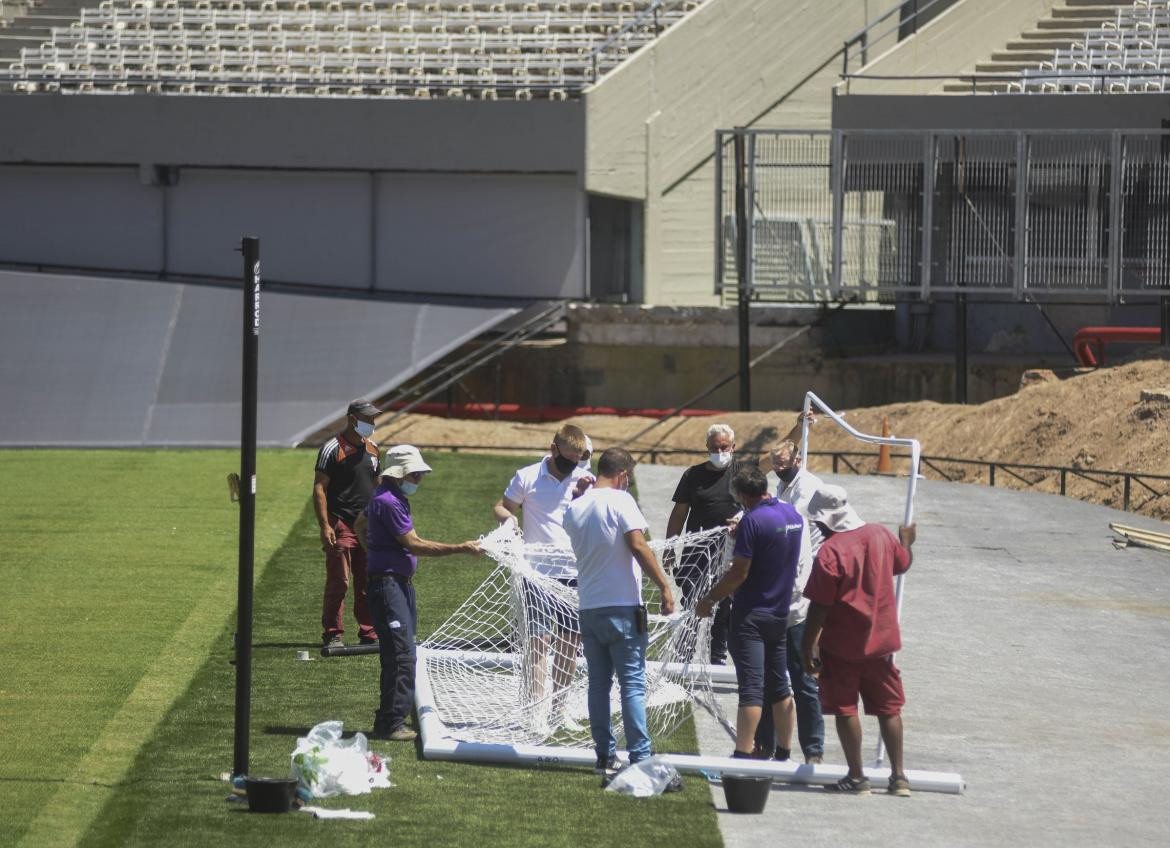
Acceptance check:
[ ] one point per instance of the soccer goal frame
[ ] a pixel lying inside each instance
(440, 744)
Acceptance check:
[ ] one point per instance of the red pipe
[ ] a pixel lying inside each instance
(518, 412)
(1089, 342)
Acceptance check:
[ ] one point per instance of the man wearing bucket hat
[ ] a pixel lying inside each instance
(852, 630)
(386, 530)
(346, 472)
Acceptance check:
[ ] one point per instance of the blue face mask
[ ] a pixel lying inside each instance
(408, 488)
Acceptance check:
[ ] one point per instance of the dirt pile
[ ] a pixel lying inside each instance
(1112, 419)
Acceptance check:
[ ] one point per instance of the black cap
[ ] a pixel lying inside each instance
(363, 407)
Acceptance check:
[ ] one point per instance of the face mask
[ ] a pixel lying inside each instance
(364, 429)
(788, 474)
(407, 488)
(584, 464)
(565, 466)
(720, 460)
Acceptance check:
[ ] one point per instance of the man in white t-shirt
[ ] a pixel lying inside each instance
(607, 531)
(542, 491)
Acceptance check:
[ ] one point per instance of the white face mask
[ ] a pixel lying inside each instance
(720, 460)
(364, 428)
(408, 488)
(584, 464)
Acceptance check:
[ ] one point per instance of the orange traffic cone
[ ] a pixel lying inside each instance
(884, 464)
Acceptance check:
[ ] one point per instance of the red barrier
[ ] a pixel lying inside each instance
(1089, 342)
(519, 412)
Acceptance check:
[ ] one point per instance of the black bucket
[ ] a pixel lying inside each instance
(746, 793)
(270, 794)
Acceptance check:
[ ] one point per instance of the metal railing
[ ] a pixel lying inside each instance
(859, 462)
(1080, 215)
(910, 14)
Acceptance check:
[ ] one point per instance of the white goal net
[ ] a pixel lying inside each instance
(507, 666)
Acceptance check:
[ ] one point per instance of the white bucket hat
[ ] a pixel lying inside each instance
(830, 506)
(402, 460)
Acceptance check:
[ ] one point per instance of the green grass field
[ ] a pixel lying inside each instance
(117, 688)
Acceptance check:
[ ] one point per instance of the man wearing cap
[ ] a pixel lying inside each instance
(347, 466)
(542, 491)
(386, 531)
(852, 631)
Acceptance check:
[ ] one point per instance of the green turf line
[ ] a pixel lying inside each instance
(122, 573)
(172, 793)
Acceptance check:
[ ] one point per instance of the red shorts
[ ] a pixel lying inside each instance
(876, 680)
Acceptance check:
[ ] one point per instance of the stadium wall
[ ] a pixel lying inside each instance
(650, 124)
(953, 42)
(437, 197)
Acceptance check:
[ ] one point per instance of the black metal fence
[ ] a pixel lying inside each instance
(860, 462)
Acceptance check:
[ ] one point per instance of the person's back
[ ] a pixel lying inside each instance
(860, 565)
(771, 533)
(596, 523)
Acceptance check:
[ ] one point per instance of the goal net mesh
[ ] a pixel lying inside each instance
(507, 667)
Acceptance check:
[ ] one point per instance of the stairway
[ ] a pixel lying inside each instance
(28, 23)
(1066, 23)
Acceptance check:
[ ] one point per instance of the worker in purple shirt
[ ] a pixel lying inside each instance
(386, 531)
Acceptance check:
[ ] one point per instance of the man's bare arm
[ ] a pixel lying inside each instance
(321, 508)
(732, 580)
(813, 624)
(505, 509)
(424, 547)
(636, 541)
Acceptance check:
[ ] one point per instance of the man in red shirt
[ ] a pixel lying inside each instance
(852, 630)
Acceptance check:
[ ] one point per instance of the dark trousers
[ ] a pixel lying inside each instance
(810, 722)
(346, 559)
(693, 582)
(392, 606)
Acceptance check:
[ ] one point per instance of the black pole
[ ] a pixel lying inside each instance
(251, 336)
(960, 348)
(742, 222)
(1165, 303)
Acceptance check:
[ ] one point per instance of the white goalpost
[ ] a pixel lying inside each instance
(503, 680)
(810, 400)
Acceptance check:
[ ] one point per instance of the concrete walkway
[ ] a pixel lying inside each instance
(1036, 665)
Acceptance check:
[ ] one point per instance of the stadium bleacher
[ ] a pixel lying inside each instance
(485, 50)
(1093, 46)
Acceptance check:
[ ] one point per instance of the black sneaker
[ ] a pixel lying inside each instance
(368, 640)
(741, 755)
(606, 767)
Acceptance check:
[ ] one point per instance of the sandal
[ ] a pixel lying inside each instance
(851, 785)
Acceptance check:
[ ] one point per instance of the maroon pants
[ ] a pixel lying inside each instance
(345, 559)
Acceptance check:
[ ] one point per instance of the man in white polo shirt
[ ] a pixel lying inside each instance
(542, 491)
(607, 531)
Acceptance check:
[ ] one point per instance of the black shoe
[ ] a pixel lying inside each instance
(782, 754)
(607, 766)
(741, 755)
(368, 640)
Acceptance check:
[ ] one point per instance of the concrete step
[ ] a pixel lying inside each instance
(978, 88)
(1080, 24)
(1105, 13)
(1070, 34)
(10, 46)
(1041, 44)
(1021, 55)
(1004, 67)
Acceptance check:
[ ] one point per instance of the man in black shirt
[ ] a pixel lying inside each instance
(347, 469)
(703, 501)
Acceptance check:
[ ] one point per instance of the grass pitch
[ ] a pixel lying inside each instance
(118, 703)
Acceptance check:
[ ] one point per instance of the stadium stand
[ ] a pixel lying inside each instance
(513, 50)
(1083, 47)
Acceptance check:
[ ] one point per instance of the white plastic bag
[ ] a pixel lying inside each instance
(643, 780)
(326, 765)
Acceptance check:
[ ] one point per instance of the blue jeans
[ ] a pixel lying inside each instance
(392, 607)
(810, 722)
(612, 644)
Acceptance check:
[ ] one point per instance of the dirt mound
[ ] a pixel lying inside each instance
(1112, 419)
